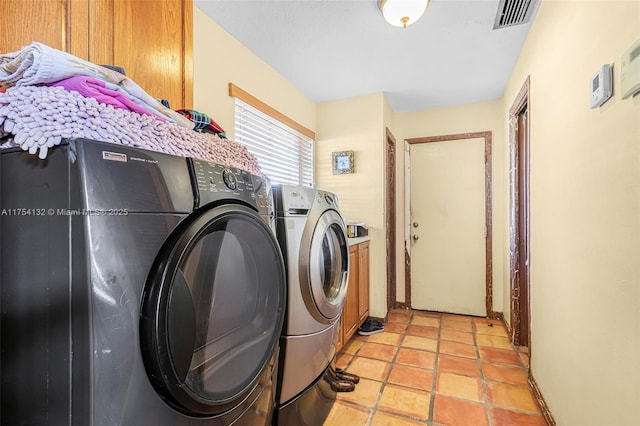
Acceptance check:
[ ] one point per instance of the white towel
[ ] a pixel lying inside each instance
(38, 63)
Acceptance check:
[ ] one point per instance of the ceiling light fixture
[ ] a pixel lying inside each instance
(401, 13)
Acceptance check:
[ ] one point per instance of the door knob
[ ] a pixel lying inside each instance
(415, 237)
(415, 224)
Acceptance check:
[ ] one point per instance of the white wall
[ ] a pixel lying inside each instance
(585, 213)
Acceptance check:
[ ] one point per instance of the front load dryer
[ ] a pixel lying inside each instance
(313, 239)
(137, 289)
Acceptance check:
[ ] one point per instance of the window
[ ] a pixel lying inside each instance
(285, 154)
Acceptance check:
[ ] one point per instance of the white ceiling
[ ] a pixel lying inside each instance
(335, 49)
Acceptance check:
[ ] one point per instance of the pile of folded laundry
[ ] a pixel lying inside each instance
(47, 95)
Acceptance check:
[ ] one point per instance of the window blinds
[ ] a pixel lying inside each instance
(284, 154)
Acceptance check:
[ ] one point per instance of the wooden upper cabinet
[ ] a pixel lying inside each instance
(24, 21)
(151, 39)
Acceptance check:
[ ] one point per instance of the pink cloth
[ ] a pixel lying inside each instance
(93, 88)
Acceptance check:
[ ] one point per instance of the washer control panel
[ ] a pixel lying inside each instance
(215, 182)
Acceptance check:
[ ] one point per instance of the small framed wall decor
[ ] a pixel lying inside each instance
(342, 162)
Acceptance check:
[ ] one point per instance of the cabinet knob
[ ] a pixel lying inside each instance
(415, 224)
(415, 237)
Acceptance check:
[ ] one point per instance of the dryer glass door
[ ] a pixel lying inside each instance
(329, 264)
(215, 308)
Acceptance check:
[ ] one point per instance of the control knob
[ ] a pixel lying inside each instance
(229, 179)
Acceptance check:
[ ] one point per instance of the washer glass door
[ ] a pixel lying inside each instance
(329, 264)
(213, 311)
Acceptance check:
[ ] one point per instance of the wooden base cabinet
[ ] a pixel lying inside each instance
(363, 282)
(356, 305)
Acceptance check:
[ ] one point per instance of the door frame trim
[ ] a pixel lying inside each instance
(390, 207)
(521, 100)
(486, 135)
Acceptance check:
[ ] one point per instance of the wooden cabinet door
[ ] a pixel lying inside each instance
(152, 40)
(52, 22)
(363, 281)
(350, 313)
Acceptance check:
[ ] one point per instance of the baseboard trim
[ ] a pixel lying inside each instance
(507, 327)
(382, 320)
(537, 393)
(495, 316)
(544, 408)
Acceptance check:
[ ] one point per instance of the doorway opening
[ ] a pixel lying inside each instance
(519, 210)
(488, 276)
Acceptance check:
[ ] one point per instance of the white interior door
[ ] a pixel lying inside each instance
(448, 220)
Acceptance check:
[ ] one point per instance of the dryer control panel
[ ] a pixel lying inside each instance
(327, 200)
(295, 200)
(215, 182)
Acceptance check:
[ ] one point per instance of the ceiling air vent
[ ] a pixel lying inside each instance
(514, 12)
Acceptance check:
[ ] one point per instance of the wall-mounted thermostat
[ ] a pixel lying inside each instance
(601, 86)
(630, 71)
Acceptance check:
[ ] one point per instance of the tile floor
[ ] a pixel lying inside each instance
(436, 369)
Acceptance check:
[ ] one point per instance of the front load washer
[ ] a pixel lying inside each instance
(313, 239)
(137, 289)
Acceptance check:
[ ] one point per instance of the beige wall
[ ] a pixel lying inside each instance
(461, 119)
(357, 124)
(220, 59)
(585, 213)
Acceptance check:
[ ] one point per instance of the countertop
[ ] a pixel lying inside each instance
(358, 240)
